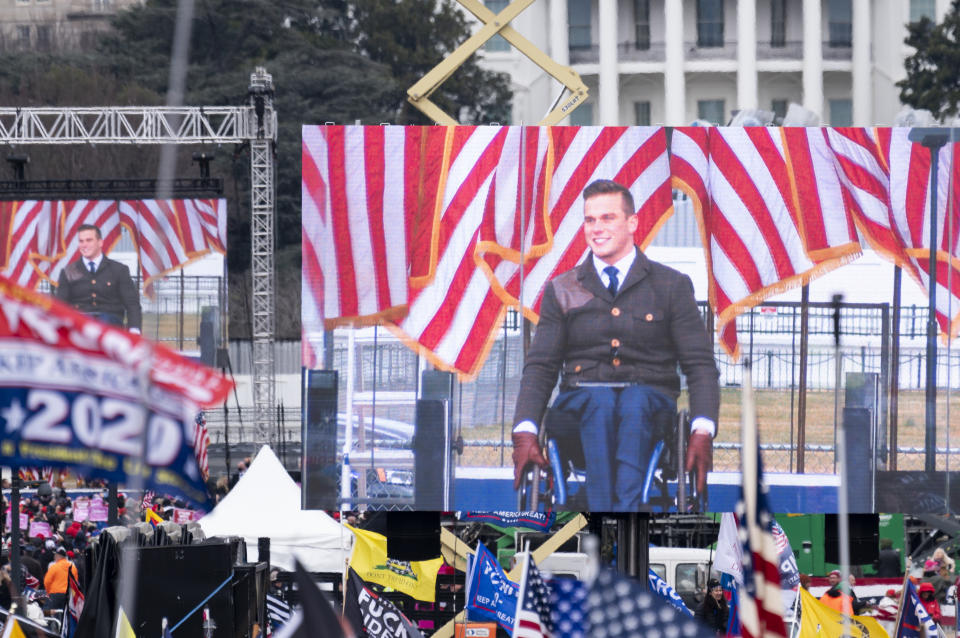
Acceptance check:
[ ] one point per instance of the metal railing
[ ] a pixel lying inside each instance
(769, 334)
(172, 316)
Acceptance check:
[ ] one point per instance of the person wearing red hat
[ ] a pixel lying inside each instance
(72, 530)
(836, 599)
(930, 603)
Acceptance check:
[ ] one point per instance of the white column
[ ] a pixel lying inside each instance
(609, 98)
(559, 32)
(747, 54)
(862, 65)
(941, 7)
(674, 82)
(813, 58)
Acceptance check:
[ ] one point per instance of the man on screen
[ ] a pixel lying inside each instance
(99, 286)
(614, 328)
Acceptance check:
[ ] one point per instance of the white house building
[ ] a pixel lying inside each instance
(669, 62)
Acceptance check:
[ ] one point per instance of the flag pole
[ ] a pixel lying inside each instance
(843, 505)
(795, 626)
(127, 578)
(903, 589)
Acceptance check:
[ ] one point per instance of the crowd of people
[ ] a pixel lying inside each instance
(60, 550)
(934, 586)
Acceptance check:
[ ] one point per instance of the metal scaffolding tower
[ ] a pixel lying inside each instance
(254, 124)
(262, 223)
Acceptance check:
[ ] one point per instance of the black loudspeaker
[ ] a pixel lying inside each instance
(173, 579)
(319, 441)
(428, 454)
(413, 535)
(859, 455)
(864, 538)
(209, 338)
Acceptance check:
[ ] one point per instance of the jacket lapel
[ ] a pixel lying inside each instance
(638, 271)
(589, 279)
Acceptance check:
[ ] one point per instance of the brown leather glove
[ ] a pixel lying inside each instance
(526, 450)
(700, 456)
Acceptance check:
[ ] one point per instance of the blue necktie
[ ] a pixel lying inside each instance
(93, 267)
(612, 272)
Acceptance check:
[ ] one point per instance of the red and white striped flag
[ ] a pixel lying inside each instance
(27, 230)
(886, 181)
(909, 166)
(170, 233)
(451, 309)
(368, 193)
(533, 618)
(770, 213)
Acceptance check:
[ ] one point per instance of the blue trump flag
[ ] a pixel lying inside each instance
(729, 584)
(660, 587)
(915, 622)
(490, 594)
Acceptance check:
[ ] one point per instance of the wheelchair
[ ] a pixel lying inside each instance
(561, 485)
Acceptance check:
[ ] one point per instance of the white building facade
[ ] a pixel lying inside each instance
(670, 62)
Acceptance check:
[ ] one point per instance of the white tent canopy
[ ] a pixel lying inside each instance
(265, 502)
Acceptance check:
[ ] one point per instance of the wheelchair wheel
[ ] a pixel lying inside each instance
(536, 489)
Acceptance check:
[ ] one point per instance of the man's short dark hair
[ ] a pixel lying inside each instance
(606, 186)
(95, 229)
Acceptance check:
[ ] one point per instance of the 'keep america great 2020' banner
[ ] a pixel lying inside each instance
(107, 403)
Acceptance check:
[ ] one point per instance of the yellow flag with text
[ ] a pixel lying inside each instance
(818, 620)
(414, 578)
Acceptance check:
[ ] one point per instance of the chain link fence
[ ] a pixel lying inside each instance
(387, 374)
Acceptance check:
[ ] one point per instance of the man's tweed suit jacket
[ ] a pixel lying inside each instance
(639, 336)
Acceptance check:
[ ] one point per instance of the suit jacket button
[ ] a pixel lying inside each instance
(615, 312)
(649, 317)
(616, 361)
(578, 369)
(614, 343)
